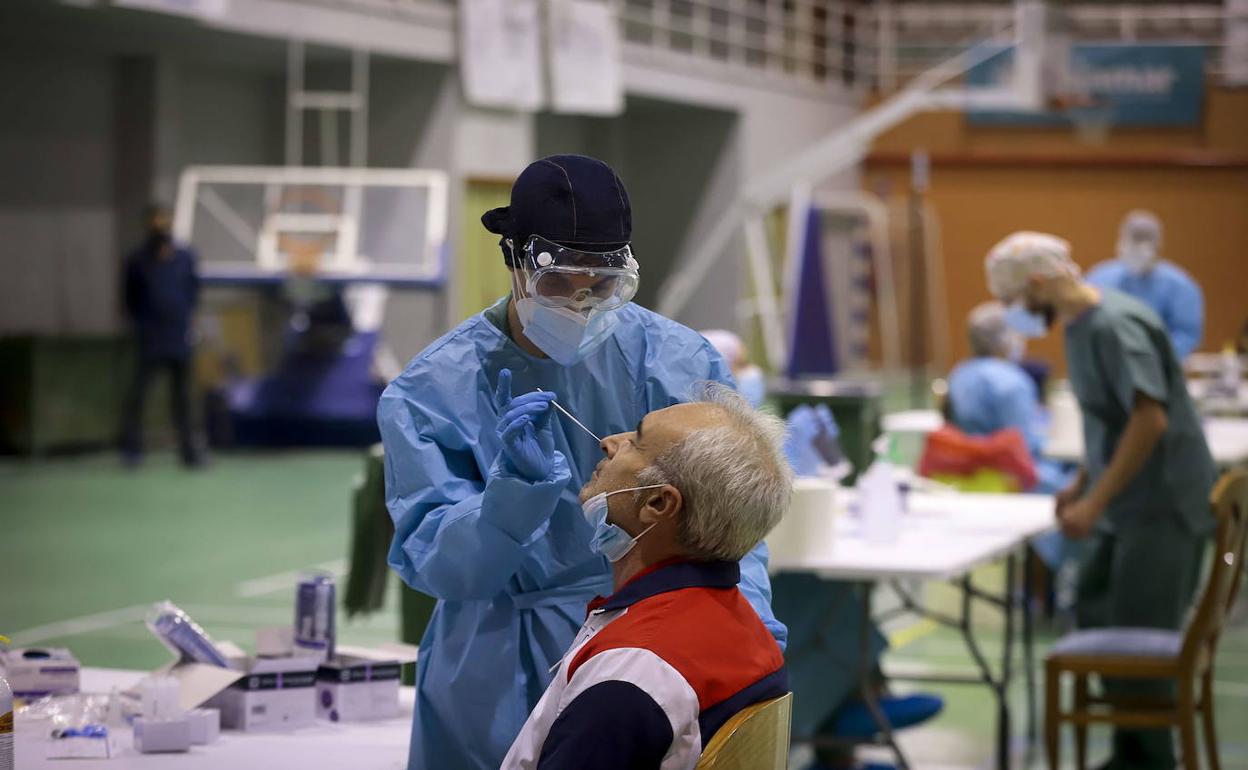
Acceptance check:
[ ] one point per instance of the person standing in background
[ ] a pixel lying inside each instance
(161, 291)
(1142, 497)
(1140, 272)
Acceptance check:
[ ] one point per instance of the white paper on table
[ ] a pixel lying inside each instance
(500, 53)
(204, 9)
(583, 41)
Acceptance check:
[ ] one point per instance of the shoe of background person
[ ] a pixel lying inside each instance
(855, 721)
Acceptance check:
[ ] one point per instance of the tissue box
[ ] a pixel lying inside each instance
(205, 725)
(353, 689)
(152, 735)
(36, 672)
(272, 694)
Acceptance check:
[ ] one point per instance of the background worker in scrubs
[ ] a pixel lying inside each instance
(1143, 495)
(482, 476)
(1140, 271)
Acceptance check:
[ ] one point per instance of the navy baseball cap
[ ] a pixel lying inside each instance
(572, 200)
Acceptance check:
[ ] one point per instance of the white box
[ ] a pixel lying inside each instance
(205, 725)
(355, 691)
(34, 672)
(161, 735)
(273, 694)
(361, 684)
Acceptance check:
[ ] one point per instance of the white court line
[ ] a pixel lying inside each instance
(80, 625)
(285, 580)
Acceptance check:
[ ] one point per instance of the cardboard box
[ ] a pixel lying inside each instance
(361, 684)
(35, 672)
(273, 694)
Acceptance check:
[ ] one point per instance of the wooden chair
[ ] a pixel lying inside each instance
(756, 738)
(1181, 657)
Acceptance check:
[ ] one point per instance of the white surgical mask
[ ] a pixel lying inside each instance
(752, 384)
(567, 336)
(1139, 258)
(1024, 321)
(609, 539)
(1016, 347)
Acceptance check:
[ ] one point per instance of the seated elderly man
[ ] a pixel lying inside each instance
(676, 650)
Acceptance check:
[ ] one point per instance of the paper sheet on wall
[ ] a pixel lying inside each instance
(500, 53)
(1235, 53)
(584, 46)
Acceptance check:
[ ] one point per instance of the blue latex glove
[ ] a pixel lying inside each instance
(524, 427)
(804, 427)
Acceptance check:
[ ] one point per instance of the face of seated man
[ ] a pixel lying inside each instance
(630, 453)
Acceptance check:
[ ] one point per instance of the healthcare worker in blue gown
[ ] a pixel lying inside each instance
(990, 391)
(482, 476)
(1140, 272)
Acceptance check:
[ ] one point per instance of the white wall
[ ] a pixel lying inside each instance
(57, 244)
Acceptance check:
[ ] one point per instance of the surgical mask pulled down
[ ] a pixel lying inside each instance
(609, 539)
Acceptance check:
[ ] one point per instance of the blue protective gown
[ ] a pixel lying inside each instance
(1168, 290)
(507, 559)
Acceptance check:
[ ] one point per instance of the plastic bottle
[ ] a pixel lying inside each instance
(880, 503)
(6, 722)
(1229, 372)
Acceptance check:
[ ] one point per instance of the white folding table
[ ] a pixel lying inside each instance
(380, 745)
(1227, 437)
(943, 536)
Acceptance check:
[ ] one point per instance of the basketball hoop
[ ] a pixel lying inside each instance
(304, 251)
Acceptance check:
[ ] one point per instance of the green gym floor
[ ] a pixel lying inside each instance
(86, 547)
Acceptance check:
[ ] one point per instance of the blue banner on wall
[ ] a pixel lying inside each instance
(1142, 85)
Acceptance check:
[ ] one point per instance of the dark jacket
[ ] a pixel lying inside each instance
(160, 298)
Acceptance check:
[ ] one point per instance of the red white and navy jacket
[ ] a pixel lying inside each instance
(657, 668)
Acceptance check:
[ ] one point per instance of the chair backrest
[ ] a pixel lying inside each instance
(755, 738)
(1230, 507)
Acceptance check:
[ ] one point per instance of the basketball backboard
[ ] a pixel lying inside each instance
(262, 224)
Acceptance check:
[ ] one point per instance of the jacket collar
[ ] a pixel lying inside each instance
(671, 575)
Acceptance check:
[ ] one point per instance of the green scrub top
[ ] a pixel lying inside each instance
(1116, 349)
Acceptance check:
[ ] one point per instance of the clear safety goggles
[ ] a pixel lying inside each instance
(562, 277)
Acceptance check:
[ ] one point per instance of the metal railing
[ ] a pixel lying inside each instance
(839, 44)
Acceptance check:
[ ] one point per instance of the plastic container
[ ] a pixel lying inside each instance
(880, 503)
(315, 600)
(183, 636)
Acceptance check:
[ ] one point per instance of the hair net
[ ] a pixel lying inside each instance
(1024, 254)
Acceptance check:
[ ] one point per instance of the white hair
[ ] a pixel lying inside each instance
(986, 327)
(734, 478)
